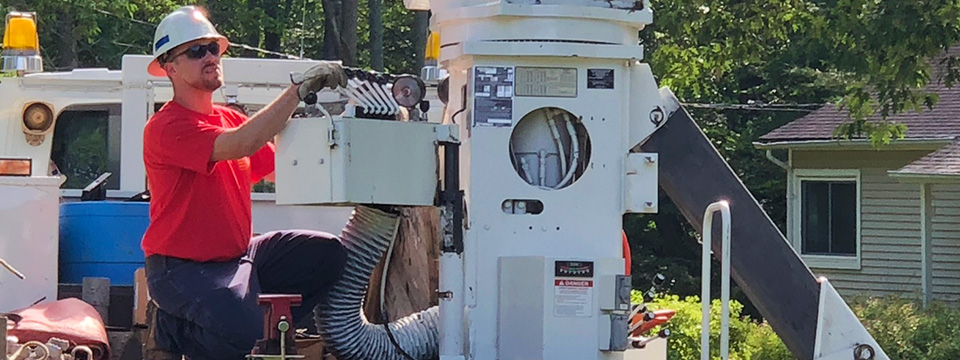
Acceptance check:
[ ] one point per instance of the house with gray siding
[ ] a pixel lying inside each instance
(876, 221)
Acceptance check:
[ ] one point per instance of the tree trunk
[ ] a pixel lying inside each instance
(331, 29)
(67, 59)
(421, 23)
(376, 34)
(252, 38)
(291, 14)
(413, 276)
(348, 32)
(272, 32)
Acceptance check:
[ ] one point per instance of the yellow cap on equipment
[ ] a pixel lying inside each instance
(433, 47)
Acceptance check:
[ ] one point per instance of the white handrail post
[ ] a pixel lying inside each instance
(724, 208)
(705, 286)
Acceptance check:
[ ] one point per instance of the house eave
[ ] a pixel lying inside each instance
(923, 178)
(859, 144)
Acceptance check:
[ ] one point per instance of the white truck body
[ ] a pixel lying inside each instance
(123, 100)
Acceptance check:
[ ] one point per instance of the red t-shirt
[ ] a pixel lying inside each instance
(199, 210)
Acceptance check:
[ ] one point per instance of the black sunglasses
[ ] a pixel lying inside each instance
(198, 51)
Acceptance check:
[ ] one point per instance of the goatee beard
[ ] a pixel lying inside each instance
(211, 85)
(208, 84)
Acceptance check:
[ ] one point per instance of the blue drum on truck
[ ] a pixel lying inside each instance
(102, 239)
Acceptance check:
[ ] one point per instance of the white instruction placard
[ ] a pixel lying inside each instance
(573, 298)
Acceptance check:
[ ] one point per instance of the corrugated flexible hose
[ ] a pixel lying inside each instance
(340, 319)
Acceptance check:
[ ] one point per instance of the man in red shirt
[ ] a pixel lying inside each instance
(204, 271)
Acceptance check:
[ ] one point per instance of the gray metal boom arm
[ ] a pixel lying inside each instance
(764, 265)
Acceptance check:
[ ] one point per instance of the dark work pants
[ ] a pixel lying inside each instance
(208, 310)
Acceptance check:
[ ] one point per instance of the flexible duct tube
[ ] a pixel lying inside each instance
(556, 139)
(576, 152)
(543, 168)
(339, 317)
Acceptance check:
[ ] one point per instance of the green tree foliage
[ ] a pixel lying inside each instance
(103, 31)
(885, 46)
(775, 57)
(872, 55)
(98, 32)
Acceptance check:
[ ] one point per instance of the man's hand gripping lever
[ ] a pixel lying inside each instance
(320, 76)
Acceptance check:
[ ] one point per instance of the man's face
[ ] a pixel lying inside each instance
(203, 72)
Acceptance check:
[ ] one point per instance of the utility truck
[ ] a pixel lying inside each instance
(551, 128)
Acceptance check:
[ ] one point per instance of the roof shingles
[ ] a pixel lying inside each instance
(943, 122)
(945, 161)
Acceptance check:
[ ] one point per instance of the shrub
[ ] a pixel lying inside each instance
(748, 339)
(902, 327)
(905, 330)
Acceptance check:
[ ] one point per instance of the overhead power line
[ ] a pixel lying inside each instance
(124, 18)
(243, 46)
(265, 51)
(756, 107)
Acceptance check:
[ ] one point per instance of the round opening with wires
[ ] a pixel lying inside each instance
(550, 148)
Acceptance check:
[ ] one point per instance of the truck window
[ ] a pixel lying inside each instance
(86, 143)
(264, 187)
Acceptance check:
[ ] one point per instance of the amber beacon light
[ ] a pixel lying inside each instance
(21, 44)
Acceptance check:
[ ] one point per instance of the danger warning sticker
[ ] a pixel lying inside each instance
(573, 298)
(575, 283)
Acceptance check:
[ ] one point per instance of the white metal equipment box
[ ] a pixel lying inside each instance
(28, 245)
(346, 161)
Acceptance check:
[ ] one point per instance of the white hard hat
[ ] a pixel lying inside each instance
(179, 27)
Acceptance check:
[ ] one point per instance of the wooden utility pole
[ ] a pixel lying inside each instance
(413, 274)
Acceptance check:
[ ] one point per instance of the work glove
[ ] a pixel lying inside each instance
(323, 75)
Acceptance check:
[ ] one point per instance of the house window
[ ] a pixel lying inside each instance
(827, 217)
(86, 144)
